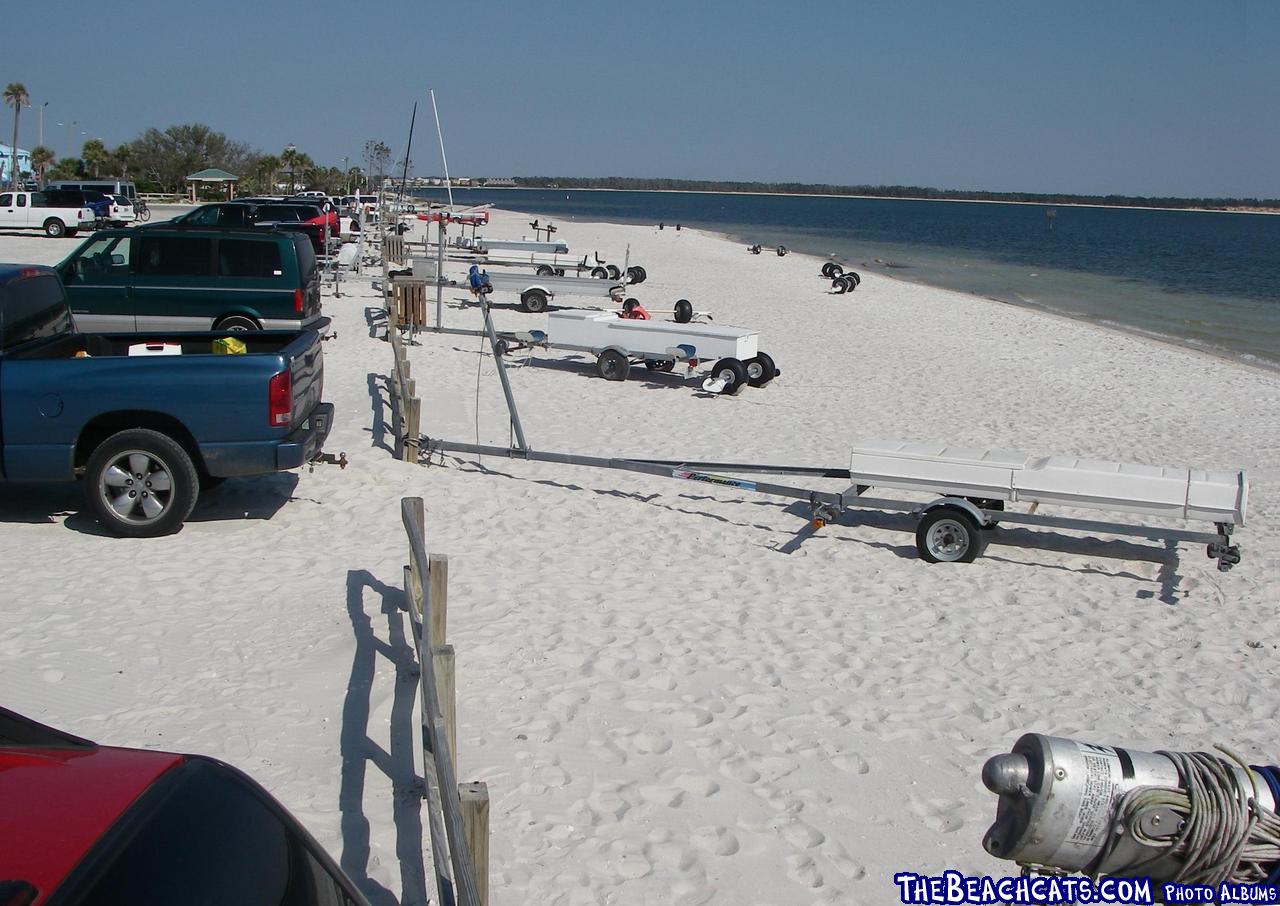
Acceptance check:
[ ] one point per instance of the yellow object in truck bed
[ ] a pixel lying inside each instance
(229, 346)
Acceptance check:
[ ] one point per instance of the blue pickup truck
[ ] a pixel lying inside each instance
(148, 419)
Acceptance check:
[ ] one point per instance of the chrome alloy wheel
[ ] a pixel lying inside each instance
(137, 486)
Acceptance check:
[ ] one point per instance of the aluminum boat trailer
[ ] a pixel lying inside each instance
(951, 528)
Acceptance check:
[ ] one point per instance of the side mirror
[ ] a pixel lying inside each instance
(117, 260)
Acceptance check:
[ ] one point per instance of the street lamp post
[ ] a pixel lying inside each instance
(40, 142)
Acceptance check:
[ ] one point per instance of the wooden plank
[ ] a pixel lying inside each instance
(438, 594)
(474, 800)
(442, 662)
(417, 512)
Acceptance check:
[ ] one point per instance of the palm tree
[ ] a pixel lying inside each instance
(266, 169)
(291, 160)
(15, 94)
(94, 155)
(41, 158)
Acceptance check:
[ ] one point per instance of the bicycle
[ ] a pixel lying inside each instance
(141, 210)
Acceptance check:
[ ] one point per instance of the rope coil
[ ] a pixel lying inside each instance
(1226, 834)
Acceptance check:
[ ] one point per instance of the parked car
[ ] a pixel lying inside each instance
(121, 212)
(172, 277)
(145, 431)
(299, 218)
(36, 211)
(86, 824)
(323, 211)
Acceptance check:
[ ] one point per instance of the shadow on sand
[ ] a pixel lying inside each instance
(360, 752)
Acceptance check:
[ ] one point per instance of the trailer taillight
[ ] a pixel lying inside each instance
(297, 301)
(280, 399)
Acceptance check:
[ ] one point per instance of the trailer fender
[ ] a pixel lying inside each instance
(958, 502)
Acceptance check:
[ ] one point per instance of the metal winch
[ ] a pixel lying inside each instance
(1059, 801)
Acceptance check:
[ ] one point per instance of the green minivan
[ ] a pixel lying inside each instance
(171, 278)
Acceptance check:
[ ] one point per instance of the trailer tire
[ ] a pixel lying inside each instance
(839, 285)
(559, 272)
(734, 374)
(501, 348)
(854, 280)
(533, 301)
(613, 365)
(947, 534)
(663, 365)
(782, 250)
(600, 273)
(630, 305)
(614, 273)
(644, 274)
(546, 270)
(833, 270)
(760, 369)
(684, 311)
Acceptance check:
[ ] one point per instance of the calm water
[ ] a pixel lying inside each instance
(1209, 280)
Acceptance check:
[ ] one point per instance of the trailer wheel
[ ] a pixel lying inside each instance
(839, 285)
(533, 300)
(948, 534)
(559, 272)
(644, 274)
(760, 369)
(546, 270)
(832, 270)
(734, 374)
(614, 273)
(501, 348)
(659, 364)
(613, 365)
(782, 250)
(600, 273)
(853, 279)
(630, 305)
(684, 311)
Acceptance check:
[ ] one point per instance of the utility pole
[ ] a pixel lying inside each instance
(40, 141)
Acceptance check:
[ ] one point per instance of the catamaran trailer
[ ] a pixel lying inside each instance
(618, 343)
(951, 528)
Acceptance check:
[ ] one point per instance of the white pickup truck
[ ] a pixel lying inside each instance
(29, 211)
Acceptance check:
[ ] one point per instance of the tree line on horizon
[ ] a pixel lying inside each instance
(626, 183)
(159, 160)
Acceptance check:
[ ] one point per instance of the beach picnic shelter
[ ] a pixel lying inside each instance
(213, 174)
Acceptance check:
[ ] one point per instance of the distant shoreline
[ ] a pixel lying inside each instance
(1040, 204)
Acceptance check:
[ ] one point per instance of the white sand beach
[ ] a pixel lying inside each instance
(666, 704)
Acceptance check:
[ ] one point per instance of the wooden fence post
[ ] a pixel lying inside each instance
(438, 594)
(443, 662)
(474, 799)
(419, 519)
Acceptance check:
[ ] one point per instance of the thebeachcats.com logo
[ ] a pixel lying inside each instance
(1046, 890)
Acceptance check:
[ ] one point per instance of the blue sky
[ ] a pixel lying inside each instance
(1141, 98)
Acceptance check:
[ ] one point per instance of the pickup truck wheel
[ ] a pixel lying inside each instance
(238, 323)
(55, 228)
(141, 484)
